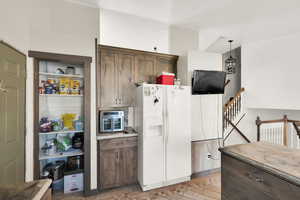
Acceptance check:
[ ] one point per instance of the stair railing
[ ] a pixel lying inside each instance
(233, 114)
(273, 135)
(232, 109)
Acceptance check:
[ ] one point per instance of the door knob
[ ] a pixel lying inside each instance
(2, 89)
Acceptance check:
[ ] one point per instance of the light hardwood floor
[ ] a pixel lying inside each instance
(203, 188)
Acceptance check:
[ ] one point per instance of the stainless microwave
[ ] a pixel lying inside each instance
(111, 121)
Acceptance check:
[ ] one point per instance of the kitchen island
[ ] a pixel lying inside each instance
(260, 171)
(35, 190)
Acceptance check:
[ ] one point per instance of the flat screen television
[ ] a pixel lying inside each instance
(208, 82)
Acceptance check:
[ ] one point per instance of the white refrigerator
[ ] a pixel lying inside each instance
(164, 144)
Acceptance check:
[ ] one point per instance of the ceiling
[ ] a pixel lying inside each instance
(200, 13)
(242, 20)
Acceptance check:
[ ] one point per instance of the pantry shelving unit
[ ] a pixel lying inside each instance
(54, 105)
(60, 95)
(60, 132)
(72, 152)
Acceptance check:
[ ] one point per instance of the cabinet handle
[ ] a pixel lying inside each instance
(259, 180)
(117, 155)
(116, 100)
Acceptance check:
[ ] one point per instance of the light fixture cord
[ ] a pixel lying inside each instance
(230, 47)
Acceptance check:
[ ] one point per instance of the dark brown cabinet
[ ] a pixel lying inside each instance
(118, 162)
(129, 165)
(108, 79)
(125, 76)
(116, 79)
(119, 69)
(109, 173)
(145, 68)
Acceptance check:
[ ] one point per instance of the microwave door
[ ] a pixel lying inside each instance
(107, 125)
(118, 125)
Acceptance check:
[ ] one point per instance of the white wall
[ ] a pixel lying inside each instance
(128, 31)
(53, 26)
(123, 30)
(16, 30)
(269, 62)
(206, 113)
(270, 72)
(182, 40)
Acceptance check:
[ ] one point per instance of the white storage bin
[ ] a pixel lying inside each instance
(73, 183)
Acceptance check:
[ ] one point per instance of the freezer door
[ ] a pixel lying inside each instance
(153, 135)
(153, 157)
(178, 133)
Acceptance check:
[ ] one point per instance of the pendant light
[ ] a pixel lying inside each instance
(230, 62)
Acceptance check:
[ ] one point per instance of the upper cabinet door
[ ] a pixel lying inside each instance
(166, 64)
(145, 68)
(126, 86)
(108, 79)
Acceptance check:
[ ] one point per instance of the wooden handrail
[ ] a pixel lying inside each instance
(233, 100)
(285, 122)
(259, 122)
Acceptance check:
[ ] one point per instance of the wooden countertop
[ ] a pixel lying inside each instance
(129, 132)
(275, 159)
(115, 135)
(34, 190)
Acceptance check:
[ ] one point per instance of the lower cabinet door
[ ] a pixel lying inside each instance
(109, 169)
(128, 166)
(242, 181)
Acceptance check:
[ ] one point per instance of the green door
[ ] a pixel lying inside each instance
(12, 115)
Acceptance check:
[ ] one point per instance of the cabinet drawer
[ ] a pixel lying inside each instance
(241, 180)
(117, 143)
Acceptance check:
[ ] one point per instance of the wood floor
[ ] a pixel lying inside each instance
(203, 188)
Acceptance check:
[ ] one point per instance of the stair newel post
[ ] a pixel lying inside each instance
(258, 124)
(285, 130)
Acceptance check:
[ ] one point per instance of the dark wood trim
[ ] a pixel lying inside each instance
(112, 48)
(36, 119)
(295, 124)
(63, 58)
(227, 82)
(233, 129)
(237, 129)
(71, 59)
(87, 128)
(92, 192)
(98, 77)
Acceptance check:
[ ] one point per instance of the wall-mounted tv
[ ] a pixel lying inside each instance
(208, 82)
